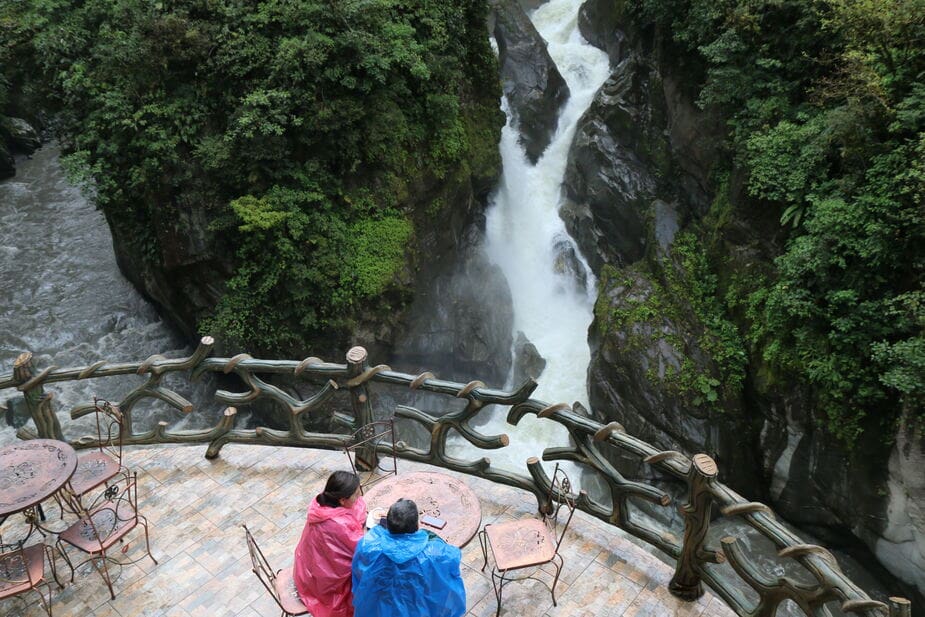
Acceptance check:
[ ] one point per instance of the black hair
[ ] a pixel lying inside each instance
(340, 485)
(403, 517)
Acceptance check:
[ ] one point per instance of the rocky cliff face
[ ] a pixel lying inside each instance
(532, 84)
(666, 362)
(452, 307)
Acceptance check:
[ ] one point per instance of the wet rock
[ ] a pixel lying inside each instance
(640, 172)
(459, 326)
(531, 82)
(599, 22)
(23, 138)
(568, 265)
(7, 162)
(634, 375)
(528, 363)
(15, 411)
(608, 188)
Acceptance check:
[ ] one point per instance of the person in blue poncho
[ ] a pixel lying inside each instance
(403, 571)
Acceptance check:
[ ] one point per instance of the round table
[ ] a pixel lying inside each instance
(436, 494)
(31, 471)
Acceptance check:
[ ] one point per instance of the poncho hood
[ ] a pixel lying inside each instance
(318, 513)
(404, 546)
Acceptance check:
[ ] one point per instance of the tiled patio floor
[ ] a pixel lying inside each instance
(195, 508)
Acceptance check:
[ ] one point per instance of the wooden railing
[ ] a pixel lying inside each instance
(694, 552)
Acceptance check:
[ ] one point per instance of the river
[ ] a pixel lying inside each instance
(64, 298)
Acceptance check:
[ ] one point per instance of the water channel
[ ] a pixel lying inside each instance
(64, 298)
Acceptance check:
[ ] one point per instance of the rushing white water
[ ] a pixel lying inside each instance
(523, 225)
(64, 298)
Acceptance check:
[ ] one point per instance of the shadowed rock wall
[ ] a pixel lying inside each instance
(666, 359)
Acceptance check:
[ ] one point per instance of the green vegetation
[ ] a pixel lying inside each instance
(825, 105)
(684, 285)
(304, 129)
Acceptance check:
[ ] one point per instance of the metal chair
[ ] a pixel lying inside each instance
(279, 582)
(103, 464)
(526, 544)
(23, 569)
(364, 448)
(98, 530)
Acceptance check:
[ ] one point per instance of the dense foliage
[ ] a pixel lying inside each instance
(302, 127)
(825, 103)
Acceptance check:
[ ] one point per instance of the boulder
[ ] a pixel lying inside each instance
(599, 22)
(528, 363)
(567, 264)
(534, 88)
(7, 162)
(23, 138)
(608, 186)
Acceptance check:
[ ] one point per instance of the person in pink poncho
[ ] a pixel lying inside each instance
(322, 559)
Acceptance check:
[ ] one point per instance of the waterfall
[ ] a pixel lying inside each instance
(523, 226)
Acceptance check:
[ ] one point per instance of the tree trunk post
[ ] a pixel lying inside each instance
(686, 583)
(357, 363)
(37, 401)
(900, 607)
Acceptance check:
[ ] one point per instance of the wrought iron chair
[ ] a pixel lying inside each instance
(99, 529)
(364, 448)
(527, 544)
(23, 569)
(278, 582)
(104, 463)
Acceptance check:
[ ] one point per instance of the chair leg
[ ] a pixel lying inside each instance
(497, 581)
(45, 604)
(104, 572)
(144, 523)
(50, 556)
(559, 564)
(483, 540)
(67, 559)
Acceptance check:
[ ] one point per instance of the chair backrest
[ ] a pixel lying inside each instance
(13, 569)
(365, 447)
(261, 567)
(116, 515)
(109, 428)
(560, 496)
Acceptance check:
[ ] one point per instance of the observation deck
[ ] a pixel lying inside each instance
(196, 506)
(196, 496)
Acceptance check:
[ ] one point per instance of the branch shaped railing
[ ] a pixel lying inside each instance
(587, 438)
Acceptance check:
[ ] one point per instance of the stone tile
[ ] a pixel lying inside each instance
(596, 593)
(478, 586)
(287, 505)
(107, 610)
(195, 508)
(143, 599)
(222, 507)
(526, 598)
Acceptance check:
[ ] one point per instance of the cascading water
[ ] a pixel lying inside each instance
(64, 298)
(522, 230)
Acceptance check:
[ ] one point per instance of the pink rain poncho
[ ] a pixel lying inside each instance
(322, 559)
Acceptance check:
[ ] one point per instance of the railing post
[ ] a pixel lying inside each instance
(686, 583)
(37, 401)
(359, 397)
(900, 607)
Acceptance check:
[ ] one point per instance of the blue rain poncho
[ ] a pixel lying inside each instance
(407, 575)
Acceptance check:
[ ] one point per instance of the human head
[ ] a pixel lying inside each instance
(340, 489)
(403, 517)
